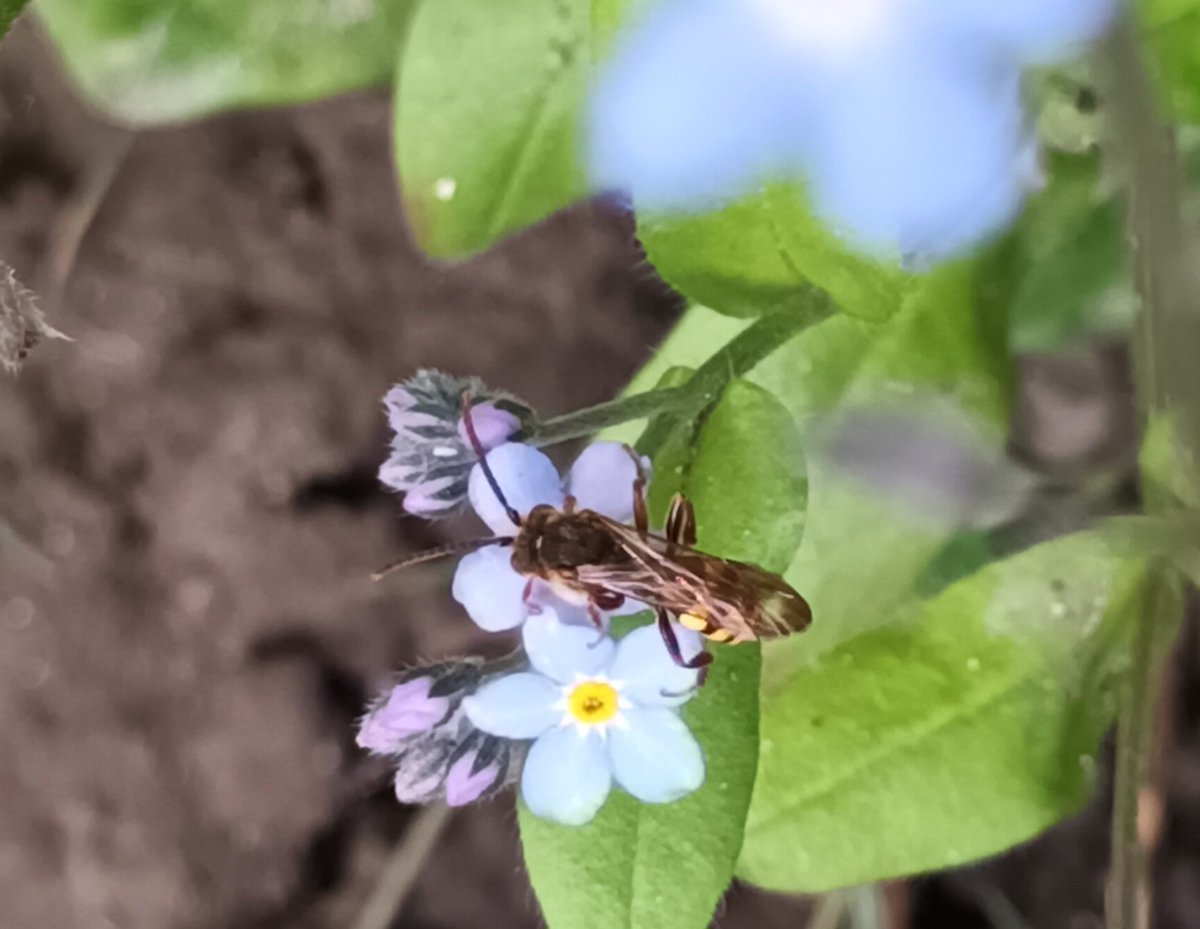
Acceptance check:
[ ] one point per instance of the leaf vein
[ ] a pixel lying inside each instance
(912, 738)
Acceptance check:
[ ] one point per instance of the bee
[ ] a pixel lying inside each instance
(592, 560)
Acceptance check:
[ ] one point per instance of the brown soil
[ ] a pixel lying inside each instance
(188, 515)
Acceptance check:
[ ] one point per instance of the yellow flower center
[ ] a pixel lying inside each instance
(593, 702)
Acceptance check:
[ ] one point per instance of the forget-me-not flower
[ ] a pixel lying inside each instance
(494, 595)
(598, 711)
(431, 454)
(902, 116)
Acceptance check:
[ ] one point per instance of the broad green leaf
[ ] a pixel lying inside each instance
(747, 480)
(9, 11)
(665, 867)
(1171, 477)
(674, 459)
(863, 553)
(952, 736)
(1171, 29)
(487, 110)
(1064, 266)
(753, 255)
(144, 61)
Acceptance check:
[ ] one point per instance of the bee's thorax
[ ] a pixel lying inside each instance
(553, 543)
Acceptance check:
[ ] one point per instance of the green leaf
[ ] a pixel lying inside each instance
(740, 354)
(673, 460)
(487, 111)
(1065, 268)
(950, 737)
(1172, 30)
(665, 867)
(862, 553)
(9, 11)
(747, 480)
(749, 257)
(144, 61)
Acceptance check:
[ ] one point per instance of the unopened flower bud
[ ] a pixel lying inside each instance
(431, 455)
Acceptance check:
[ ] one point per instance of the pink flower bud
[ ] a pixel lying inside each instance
(407, 711)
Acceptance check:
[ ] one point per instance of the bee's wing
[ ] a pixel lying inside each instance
(742, 598)
(646, 580)
(769, 604)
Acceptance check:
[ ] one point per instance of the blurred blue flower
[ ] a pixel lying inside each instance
(598, 711)
(903, 116)
(431, 455)
(494, 595)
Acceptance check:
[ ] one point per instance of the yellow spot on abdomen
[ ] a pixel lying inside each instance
(693, 621)
(720, 635)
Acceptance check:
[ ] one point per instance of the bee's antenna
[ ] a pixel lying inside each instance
(452, 548)
(469, 424)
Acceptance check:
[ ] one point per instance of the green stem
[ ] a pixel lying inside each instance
(1128, 896)
(667, 407)
(739, 356)
(585, 422)
(1140, 151)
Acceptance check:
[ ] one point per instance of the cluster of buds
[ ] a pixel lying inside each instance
(431, 456)
(438, 754)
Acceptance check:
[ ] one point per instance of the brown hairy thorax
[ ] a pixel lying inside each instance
(551, 541)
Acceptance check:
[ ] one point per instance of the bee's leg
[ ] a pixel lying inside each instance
(569, 504)
(699, 661)
(531, 605)
(641, 519)
(681, 523)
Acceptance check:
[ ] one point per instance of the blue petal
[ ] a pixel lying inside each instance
(1031, 30)
(569, 614)
(526, 478)
(601, 479)
(696, 106)
(566, 776)
(516, 706)
(490, 590)
(655, 757)
(646, 672)
(956, 162)
(563, 652)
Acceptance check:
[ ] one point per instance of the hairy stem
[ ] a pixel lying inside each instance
(1140, 152)
(585, 422)
(666, 407)
(740, 356)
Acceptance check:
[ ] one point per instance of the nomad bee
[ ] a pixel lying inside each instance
(590, 559)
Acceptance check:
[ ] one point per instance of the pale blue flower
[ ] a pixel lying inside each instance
(901, 116)
(598, 711)
(494, 595)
